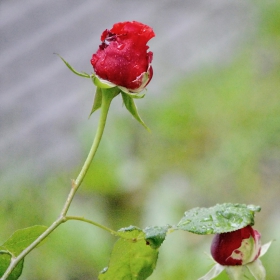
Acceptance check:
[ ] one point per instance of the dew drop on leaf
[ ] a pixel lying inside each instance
(254, 208)
(207, 219)
(186, 222)
(104, 270)
(209, 230)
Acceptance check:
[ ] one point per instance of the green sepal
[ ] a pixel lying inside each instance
(221, 218)
(131, 107)
(98, 97)
(131, 258)
(154, 236)
(81, 74)
(135, 95)
(5, 259)
(102, 83)
(97, 101)
(257, 269)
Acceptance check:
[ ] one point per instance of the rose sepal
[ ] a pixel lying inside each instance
(145, 78)
(265, 248)
(97, 101)
(134, 95)
(127, 97)
(98, 97)
(213, 272)
(235, 272)
(101, 83)
(131, 107)
(81, 74)
(257, 269)
(105, 86)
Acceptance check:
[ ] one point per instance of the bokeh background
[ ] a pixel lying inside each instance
(213, 107)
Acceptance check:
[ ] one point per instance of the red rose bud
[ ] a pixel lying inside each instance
(236, 248)
(122, 58)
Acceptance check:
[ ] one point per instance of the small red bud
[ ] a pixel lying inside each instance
(236, 248)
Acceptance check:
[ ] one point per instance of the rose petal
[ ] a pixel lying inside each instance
(122, 57)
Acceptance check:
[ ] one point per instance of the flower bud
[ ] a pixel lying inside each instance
(236, 248)
(122, 57)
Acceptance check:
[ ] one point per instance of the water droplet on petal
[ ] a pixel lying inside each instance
(102, 60)
(120, 46)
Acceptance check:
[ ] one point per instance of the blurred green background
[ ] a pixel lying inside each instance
(215, 138)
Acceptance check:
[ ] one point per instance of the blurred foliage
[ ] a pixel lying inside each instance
(215, 138)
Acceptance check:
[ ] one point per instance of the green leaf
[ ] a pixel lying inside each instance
(21, 239)
(82, 74)
(97, 101)
(130, 233)
(131, 107)
(5, 260)
(131, 258)
(154, 236)
(218, 219)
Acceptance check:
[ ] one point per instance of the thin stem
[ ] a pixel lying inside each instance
(91, 222)
(119, 234)
(106, 101)
(107, 97)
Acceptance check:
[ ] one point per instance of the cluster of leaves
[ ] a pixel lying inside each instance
(135, 253)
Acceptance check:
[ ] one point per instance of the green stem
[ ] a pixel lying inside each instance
(91, 222)
(107, 97)
(106, 101)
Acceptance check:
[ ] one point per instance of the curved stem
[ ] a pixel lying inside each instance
(67, 218)
(107, 97)
(106, 101)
